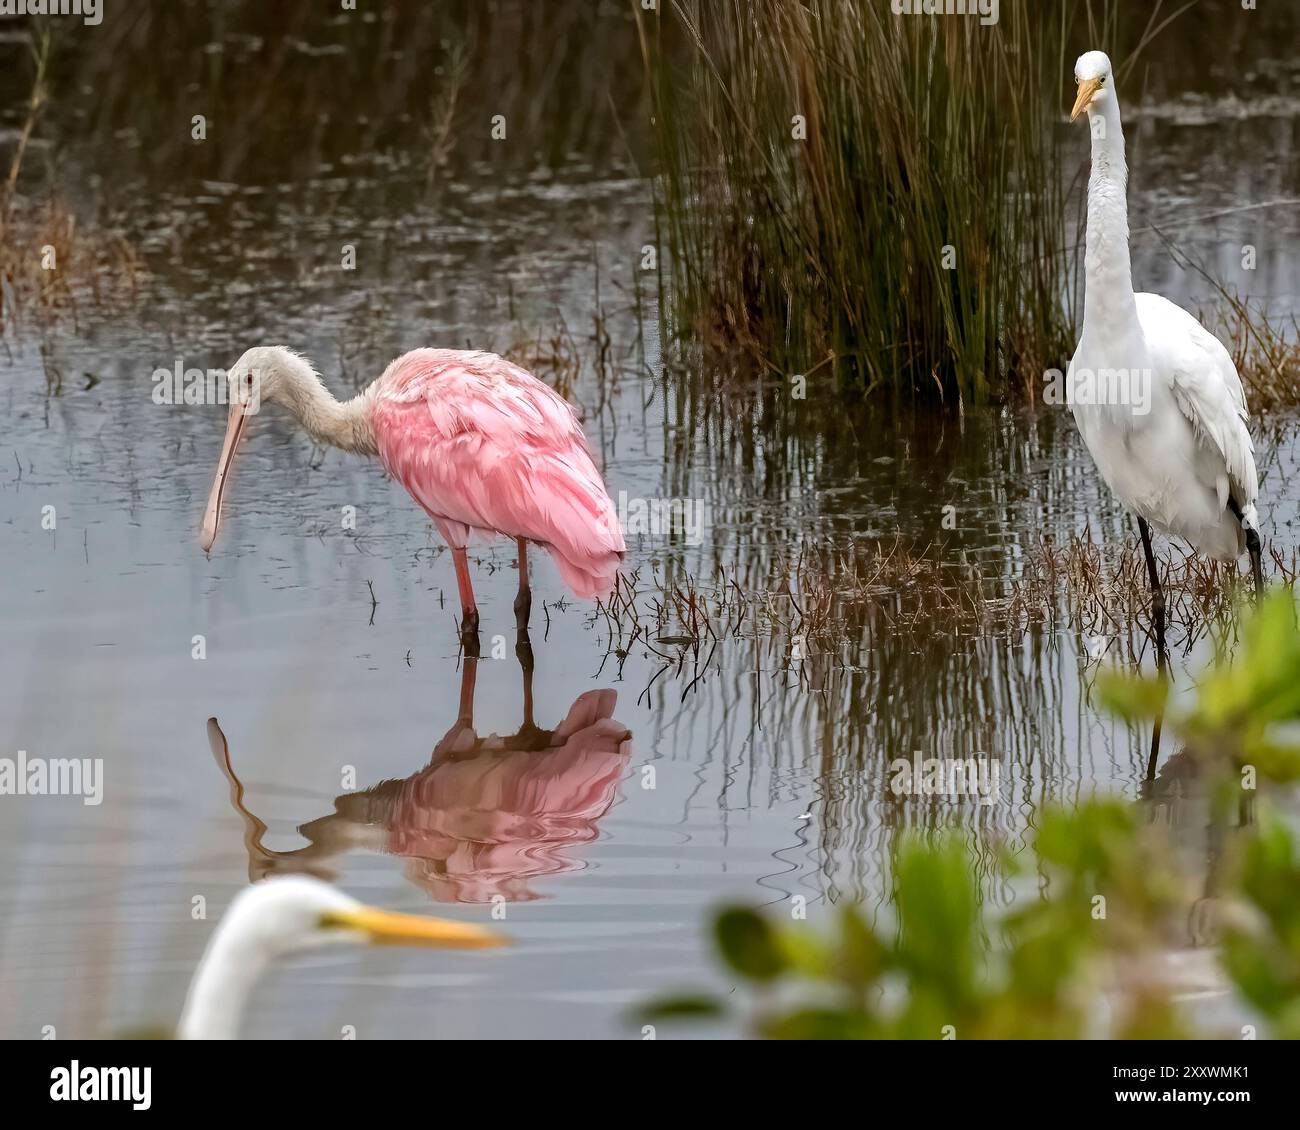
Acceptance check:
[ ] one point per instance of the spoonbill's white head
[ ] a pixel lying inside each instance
(294, 912)
(263, 374)
(1093, 74)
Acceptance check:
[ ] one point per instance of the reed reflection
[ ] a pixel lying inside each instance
(484, 818)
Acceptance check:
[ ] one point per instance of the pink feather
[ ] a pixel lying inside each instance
(484, 446)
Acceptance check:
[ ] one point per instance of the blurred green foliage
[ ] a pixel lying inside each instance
(1261, 947)
(1111, 901)
(931, 974)
(1243, 708)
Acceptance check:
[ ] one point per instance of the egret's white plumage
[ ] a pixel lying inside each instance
(281, 915)
(1186, 464)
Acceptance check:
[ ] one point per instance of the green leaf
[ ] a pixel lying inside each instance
(750, 945)
(862, 956)
(818, 1024)
(939, 916)
(1133, 697)
(1262, 686)
(684, 1007)
(806, 953)
(1272, 760)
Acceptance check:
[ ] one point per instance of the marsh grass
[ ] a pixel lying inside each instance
(914, 239)
(50, 266)
(296, 87)
(47, 266)
(568, 357)
(555, 356)
(1266, 351)
(815, 602)
(1099, 590)
(1265, 348)
(40, 48)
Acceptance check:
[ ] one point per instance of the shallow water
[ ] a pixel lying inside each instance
(330, 655)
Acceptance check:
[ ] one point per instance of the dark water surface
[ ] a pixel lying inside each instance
(757, 766)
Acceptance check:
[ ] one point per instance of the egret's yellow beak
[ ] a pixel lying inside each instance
(1087, 88)
(386, 928)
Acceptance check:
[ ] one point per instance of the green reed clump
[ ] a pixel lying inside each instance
(876, 195)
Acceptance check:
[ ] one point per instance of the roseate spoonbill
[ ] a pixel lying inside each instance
(1178, 454)
(481, 444)
(288, 913)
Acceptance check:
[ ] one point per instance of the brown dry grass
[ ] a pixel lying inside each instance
(50, 267)
(1095, 590)
(1100, 589)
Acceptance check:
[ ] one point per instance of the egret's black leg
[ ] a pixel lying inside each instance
(1157, 596)
(1162, 660)
(1256, 567)
(1155, 746)
(1253, 547)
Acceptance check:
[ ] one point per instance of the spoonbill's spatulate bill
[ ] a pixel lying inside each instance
(282, 915)
(481, 444)
(1156, 396)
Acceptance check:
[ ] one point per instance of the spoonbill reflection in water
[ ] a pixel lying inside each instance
(1180, 458)
(482, 445)
(486, 815)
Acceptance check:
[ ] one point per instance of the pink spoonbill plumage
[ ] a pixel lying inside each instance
(480, 443)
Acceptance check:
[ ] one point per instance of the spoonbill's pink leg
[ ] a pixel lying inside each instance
(469, 610)
(524, 600)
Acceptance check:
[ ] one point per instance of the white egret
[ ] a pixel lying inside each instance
(280, 915)
(1156, 395)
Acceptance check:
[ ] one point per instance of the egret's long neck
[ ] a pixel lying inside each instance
(1108, 292)
(225, 976)
(343, 424)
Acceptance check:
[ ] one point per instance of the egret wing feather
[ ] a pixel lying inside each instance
(1205, 387)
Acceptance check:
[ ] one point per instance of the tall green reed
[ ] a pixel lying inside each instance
(913, 239)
